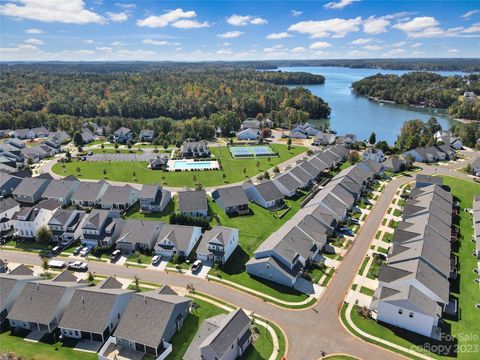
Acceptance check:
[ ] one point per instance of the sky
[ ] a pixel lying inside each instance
(116, 30)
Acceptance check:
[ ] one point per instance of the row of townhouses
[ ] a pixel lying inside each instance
(414, 283)
(120, 319)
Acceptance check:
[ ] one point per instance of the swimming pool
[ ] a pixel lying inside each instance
(191, 164)
(252, 151)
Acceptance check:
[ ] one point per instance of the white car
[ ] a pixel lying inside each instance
(156, 259)
(56, 264)
(78, 266)
(85, 251)
(197, 264)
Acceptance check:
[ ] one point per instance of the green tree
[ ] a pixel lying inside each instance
(77, 138)
(44, 235)
(372, 139)
(353, 157)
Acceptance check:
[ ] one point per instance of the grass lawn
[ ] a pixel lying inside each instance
(232, 169)
(397, 212)
(116, 151)
(41, 350)
(367, 291)
(344, 165)
(364, 264)
(28, 246)
(374, 268)
(382, 250)
(164, 216)
(387, 237)
(140, 258)
(262, 347)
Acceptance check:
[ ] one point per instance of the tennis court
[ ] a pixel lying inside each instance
(252, 151)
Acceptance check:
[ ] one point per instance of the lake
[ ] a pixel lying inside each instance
(358, 115)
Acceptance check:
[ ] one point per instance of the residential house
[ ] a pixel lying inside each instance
(287, 184)
(100, 228)
(40, 132)
(57, 139)
(30, 190)
(373, 154)
(394, 165)
(41, 303)
(11, 285)
(422, 180)
(137, 234)
(19, 144)
(193, 203)
(469, 96)
(297, 133)
(194, 149)
(23, 134)
(119, 197)
(232, 200)
(265, 194)
(217, 244)
(8, 207)
(150, 321)
(88, 194)
(177, 240)
(248, 134)
(153, 198)
(224, 336)
(66, 225)
(322, 138)
(346, 140)
(250, 124)
(61, 190)
(146, 135)
(303, 177)
(122, 135)
(447, 138)
(94, 312)
(8, 184)
(29, 220)
(87, 135)
(158, 163)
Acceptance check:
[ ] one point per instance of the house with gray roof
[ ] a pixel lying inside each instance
(29, 220)
(66, 225)
(265, 194)
(87, 135)
(193, 203)
(153, 198)
(41, 303)
(324, 139)
(217, 244)
(122, 135)
(119, 197)
(146, 135)
(11, 286)
(176, 240)
(408, 308)
(30, 190)
(100, 228)
(89, 194)
(40, 132)
(422, 180)
(23, 134)
(137, 234)
(303, 177)
(8, 208)
(194, 149)
(287, 184)
(232, 200)
(248, 134)
(61, 190)
(221, 337)
(94, 311)
(150, 321)
(394, 165)
(250, 124)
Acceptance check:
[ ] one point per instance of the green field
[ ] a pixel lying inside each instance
(234, 170)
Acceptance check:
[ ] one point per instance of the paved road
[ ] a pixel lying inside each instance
(309, 331)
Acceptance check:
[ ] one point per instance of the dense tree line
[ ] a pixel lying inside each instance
(426, 89)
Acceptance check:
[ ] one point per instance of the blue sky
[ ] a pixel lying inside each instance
(236, 30)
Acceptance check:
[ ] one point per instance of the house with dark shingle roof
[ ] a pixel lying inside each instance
(193, 149)
(150, 321)
(29, 220)
(41, 303)
(61, 190)
(217, 244)
(119, 197)
(137, 234)
(394, 165)
(265, 194)
(146, 135)
(422, 180)
(153, 198)
(224, 336)
(100, 228)
(122, 135)
(232, 200)
(88, 194)
(94, 311)
(193, 203)
(30, 190)
(177, 239)
(66, 225)
(8, 208)
(287, 184)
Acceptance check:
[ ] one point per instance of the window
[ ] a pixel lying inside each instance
(410, 315)
(400, 311)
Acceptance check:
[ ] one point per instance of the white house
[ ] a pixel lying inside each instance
(177, 239)
(217, 244)
(265, 194)
(66, 225)
(8, 207)
(248, 134)
(29, 220)
(374, 154)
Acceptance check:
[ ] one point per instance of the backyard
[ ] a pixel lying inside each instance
(234, 170)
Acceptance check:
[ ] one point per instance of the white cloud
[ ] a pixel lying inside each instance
(135, 54)
(398, 44)
(361, 41)
(428, 27)
(325, 28)
(33, 31)
(274, 48)
(320, 45)
(374, 25)
(296, 13)
(126, 6)
(224, 52)
(453, 51)
(373, 47)
(244, 20)
(69, 12)
(276, 36)
(34, 42)
(340, 4)
(117, 17)
(230, 34)
(160, 42)
(88, 41)
(469, 14)
(416, 45)
(226, 43)
(104, 48)
(177, 18)
(394, 52)
(118, 43)
(298, 50)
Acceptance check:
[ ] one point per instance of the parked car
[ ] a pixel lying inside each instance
(197, 264)
(57, 264)
(77, 250)
(90, 153)
(115, 255)
(380, 255)
(346, 231)
(78, 266)
(57, 249)
(85, 251)
(156, 260)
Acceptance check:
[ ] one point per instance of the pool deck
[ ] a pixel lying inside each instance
(190, 162)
